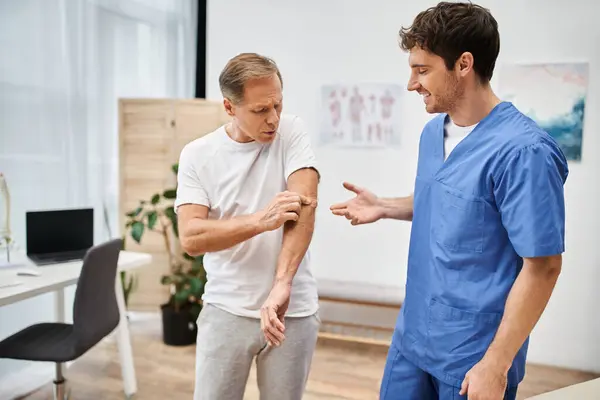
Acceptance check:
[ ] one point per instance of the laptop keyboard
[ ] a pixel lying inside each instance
(52, 258)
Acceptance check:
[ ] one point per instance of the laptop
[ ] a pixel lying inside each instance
(55, 236)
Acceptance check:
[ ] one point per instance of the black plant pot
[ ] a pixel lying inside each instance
(179, 328)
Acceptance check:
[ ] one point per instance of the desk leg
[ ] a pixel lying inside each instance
(124, 344)
(59, 305)
(60, 388)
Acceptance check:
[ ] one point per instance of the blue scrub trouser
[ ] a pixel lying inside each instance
(402, 380)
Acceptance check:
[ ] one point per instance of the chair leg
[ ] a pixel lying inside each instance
(60, 384)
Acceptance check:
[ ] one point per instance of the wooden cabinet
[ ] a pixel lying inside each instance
(152, 133)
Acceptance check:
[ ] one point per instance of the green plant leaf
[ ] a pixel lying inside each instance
(170, 194)
(138, 211)
(181, 296)
(188, 257)
(152, 218)
(170, 213)
(175, 279)
(155, 199)
(197, 265)
(175, 168)
(196, 286)
(137, 230)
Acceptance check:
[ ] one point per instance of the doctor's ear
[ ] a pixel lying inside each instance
(465, 63)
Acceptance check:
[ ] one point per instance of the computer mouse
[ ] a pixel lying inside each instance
(28, 272)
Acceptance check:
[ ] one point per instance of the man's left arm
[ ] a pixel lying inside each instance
(297, 236)
(530, 197)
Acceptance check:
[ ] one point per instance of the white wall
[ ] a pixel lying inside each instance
(319, 42)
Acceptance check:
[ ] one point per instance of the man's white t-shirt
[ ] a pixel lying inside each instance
(453, 135)
(232, 179)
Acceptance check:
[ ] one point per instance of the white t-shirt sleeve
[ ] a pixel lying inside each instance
(298, 150)
(190, 187)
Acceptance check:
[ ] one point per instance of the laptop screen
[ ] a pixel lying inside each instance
(57, 231)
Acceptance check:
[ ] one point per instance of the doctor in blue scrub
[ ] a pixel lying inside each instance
(488, 220)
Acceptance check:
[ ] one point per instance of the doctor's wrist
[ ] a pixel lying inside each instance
(498, 360)
(383, 212)
(388, 209)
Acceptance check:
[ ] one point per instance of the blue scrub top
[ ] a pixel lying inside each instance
(496, 199)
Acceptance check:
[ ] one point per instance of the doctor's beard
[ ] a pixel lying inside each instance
(449, 95)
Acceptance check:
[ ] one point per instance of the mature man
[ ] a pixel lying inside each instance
(246, 198)
(487, 215)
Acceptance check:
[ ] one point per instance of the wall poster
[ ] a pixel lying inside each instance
(553, 95)
(362, 115)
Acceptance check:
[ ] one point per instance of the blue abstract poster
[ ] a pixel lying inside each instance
(554, 96)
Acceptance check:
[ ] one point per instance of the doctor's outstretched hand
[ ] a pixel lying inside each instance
(485, 381)
(364, 208)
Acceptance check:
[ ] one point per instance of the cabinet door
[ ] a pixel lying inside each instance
(196, 118)
(146, 130)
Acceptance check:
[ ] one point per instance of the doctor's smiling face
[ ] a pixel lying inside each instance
(440, 88)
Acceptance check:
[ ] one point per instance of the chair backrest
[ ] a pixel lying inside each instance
(95, 309)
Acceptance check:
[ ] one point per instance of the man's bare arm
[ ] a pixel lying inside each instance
(397, 208)
(200, 235)
(297, 235)
(525, 304)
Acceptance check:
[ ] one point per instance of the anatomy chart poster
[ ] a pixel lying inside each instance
(360, 115)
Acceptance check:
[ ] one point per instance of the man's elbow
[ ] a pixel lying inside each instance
(193, 243)
(305, 221)
(190, 246)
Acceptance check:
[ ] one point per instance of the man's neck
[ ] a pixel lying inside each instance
(235, 133)
(474, 106)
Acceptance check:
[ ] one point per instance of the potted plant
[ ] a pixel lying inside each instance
(186, 278)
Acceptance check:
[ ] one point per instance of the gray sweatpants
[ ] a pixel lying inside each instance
(227, 344)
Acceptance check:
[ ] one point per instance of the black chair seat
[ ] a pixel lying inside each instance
(42, 342)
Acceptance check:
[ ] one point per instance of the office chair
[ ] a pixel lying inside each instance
(95, 315)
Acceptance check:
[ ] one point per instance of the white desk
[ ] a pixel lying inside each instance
(55, 278)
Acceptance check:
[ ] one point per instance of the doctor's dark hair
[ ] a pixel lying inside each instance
(449, 29)
(242, 68)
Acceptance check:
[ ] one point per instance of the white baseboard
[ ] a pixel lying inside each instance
(135, 316)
